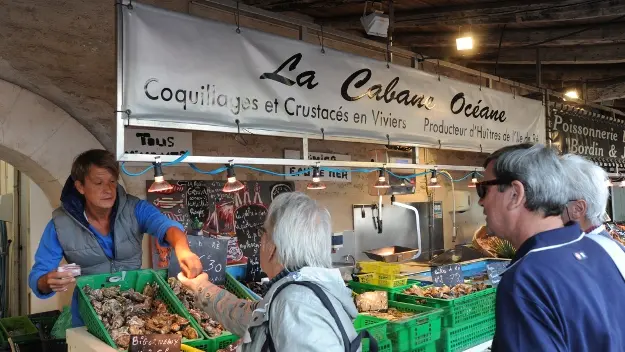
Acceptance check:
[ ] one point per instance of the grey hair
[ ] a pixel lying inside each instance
(301, 230)
(541, 172)
(587, 182)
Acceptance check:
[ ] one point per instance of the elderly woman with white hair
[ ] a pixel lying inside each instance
(307, 306)
(588, 194)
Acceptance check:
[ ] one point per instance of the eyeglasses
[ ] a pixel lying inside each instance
(482, 187)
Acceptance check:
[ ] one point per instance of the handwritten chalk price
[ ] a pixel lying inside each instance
(494, 271)
(449, 275)
(155, 343)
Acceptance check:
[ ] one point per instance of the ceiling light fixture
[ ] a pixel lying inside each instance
(464, 43)
(159, 185)
(572, 94)
(375, 23)
(473, 180)
(382, 181)
(433, 181)
(232, 184)
(316, 183)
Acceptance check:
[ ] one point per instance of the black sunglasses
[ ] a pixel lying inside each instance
(482, 187)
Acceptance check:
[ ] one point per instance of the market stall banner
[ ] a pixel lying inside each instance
(184, 69)
(590, 137)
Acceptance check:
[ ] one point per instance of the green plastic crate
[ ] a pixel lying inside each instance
(375, 326)
(19, 329)
(237, 288)
(468, 335)
(428, 347)
(210, 344)
(409, 333)
(136, 280)
(383, 345)
(458, 310)
(359, 287)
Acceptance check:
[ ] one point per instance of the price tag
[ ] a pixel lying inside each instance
(450, 275)
(155, 343)
(495, 270)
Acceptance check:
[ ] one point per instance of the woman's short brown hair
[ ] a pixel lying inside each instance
(98, 157)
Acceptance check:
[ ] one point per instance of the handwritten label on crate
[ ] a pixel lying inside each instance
(155, 343)
(494, 271)
(450, 275)
(213, 253)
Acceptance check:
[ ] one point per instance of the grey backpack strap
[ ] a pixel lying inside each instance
(615, 252)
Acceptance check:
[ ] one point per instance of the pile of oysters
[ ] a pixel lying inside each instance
(126, 313)
(446, 292)
(187, 297)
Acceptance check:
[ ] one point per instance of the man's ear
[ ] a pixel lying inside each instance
(580, 207)
(516, 195)
(80, 187)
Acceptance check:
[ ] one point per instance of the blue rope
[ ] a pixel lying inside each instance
(303, 171)
(211, 172)
(177, 161)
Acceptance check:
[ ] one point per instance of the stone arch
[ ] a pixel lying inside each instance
(39, 138)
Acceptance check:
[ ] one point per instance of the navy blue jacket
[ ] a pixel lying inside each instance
(567, 297)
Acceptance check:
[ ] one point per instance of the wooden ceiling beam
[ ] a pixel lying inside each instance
(608, 33)
(595, 54)
(609, 92)
(300, 5)
(555, 73)
(498, 13)
(596, 92)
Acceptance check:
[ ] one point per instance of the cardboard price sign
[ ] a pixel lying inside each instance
(155, 343)
(449, 275)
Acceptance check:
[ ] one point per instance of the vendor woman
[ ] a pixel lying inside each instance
(100, 228)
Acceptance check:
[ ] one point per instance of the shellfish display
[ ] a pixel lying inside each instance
(187, 297)
(126, 313)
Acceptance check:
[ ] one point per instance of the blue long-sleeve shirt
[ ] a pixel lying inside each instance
(561, 292)
(49, 254)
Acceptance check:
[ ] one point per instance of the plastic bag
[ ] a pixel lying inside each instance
(63, 323)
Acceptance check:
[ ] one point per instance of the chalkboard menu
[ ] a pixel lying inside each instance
(447, 275)
(204, 210)
(212, 252)
(494, 271)
(155, 343)
(249, 219)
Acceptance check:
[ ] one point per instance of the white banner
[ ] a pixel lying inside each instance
(180, 68)
(326, 176)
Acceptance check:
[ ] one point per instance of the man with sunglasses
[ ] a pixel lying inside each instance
(558, 293)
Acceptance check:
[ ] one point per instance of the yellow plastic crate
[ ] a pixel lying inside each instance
(392, 280)
(389, 269)
(369, 267)
(369, 278)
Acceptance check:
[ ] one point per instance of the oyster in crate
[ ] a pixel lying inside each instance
(121, 337)
(190, 333)
(372, 301)
(111, 292)
(133, 296)
(112, 307)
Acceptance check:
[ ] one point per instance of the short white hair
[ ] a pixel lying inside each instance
(301, 229)
(587, 182)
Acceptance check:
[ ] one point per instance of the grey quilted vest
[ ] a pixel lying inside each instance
(80, 245)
